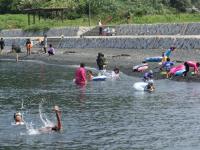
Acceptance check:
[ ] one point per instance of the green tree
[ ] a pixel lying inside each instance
(181, 5)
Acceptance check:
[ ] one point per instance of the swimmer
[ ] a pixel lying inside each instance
(89, 75)
(57, 127)
(150, 87)
(115, 73)
(18, 118)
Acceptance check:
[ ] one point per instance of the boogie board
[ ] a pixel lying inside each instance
(153, 59)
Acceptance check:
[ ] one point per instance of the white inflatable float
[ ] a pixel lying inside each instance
(99, 78)
(140, 86)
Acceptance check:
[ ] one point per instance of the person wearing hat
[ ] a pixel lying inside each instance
(18, 118)
(148, 76)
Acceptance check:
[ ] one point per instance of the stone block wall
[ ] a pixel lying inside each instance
(159, 29)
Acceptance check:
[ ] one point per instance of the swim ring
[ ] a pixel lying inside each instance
(140, 86)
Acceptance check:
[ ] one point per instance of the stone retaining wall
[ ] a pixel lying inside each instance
(142, 42)
(159, 29)
(133, 29)
(66, 31)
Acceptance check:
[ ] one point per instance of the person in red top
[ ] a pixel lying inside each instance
(80, 75)
(193, 64)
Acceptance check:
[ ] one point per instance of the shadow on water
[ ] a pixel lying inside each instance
(103, 115)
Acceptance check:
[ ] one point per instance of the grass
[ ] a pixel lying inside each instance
(14, 21)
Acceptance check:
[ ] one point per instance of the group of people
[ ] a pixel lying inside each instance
(50, 50)
(167, 65)
(82, 76)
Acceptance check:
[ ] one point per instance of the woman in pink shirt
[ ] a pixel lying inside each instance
(80, 75)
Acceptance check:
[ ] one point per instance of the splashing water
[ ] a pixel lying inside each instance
(45, 121)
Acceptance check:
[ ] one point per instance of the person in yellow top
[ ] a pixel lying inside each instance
(164, 58)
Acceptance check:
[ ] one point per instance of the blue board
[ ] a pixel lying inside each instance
(153, 59)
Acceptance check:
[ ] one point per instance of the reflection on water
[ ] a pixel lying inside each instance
(103, 115)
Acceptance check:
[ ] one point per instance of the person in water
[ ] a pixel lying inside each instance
(57, 127)
(150, 87)
(89, 75)
(80, 75)
(18, 118)
(189, 64)
(168, 52)
(101, 61)
(115, 73)
(167, 66)
(148, 76)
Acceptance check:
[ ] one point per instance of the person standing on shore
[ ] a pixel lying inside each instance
(28, 46)
(100, 27)
(2, 44)
(45, 43)
(80, 75)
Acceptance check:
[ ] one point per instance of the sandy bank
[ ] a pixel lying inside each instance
(123, 58)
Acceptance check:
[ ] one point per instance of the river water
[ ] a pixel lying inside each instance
(104, 115)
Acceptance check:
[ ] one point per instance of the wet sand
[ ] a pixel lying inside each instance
(125, 59)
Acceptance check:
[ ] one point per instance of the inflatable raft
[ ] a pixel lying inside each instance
(140, 67)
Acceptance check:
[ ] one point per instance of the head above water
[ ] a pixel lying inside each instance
(18, 117)
(150, 71)
(116, 70)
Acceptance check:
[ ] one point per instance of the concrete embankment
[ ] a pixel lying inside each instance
(183, 36)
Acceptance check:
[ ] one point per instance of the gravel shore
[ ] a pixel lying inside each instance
(125, 59)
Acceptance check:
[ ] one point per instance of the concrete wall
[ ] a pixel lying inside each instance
(159, 29)
(142, 42)
(66, 31)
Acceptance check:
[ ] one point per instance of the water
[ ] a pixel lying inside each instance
(104, 115)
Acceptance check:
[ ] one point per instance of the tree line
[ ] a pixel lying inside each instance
(115, 8)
